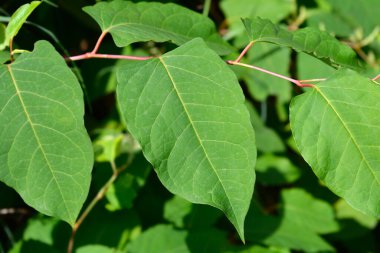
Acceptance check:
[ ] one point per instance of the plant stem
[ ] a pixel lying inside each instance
(94, 54)
(99, 196)
(206, 7)
(376, 77)
(245, 50)
(296, 82)
(108, 56)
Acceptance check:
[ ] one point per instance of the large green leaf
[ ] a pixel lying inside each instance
(336, 128)
(17, 20)
(45, 152)
(129, 22)
(308, 40)
(187, 111)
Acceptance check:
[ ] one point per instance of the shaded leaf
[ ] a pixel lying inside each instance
(262, 85)
(95, 249)
(129, 22)
(176, 209)
(123, 192)
(335, 126)
(234, 10)
(282, 231)
(17, 20)
(45, 151)
(309, 40)
(160, 239)
(187, 111)
(274, 170)
(267, 140)
(308, 212)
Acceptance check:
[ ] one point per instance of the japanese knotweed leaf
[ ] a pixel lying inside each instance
(337, 129)
(45, 152)
(309, 40)
(129, 22)
(17, 20)
(187, 111)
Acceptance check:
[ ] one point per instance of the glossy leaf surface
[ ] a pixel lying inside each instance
(129, 22)
(336, 128)
(45, 152)
(187, 111)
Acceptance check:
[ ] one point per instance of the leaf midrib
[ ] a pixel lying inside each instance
(349, 133)
(196, 132)
(36, 135)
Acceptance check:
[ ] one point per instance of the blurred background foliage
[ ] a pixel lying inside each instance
(291, 210)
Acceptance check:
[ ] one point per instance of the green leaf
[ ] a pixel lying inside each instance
(274, 170)
(357, 14)
(45, 152)
(308, 40)
(176, 209)
(122, 193)
(95, 249)
(345, 211)
(335, 126)
(129, 22)
(308, 212)
(267, 140)
(234, 10)
(187, 111)
(17, 20)
(2, 34)
(318, 69)
(282, 231)
(160, 239)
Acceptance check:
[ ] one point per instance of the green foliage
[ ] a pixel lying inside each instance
(165, 146)
(128, 23)
(42, 110)
(198, 137)
(309, 40)
(335, 133)
(16, 22)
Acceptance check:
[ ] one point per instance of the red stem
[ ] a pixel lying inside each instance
(296, 82)
(376, 77)
(108, 56)
(93, 53)
(245, 50)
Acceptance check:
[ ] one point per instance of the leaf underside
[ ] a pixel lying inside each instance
(45, 152)
(187, 111)
(336, 127)
(309, 40)
(129, 22)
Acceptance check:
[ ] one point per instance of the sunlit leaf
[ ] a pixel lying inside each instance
(336, 128)
(129, 22)
(45, 152)
(187, 111)
(17, 20)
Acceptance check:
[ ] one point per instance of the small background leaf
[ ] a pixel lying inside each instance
(17, 20)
